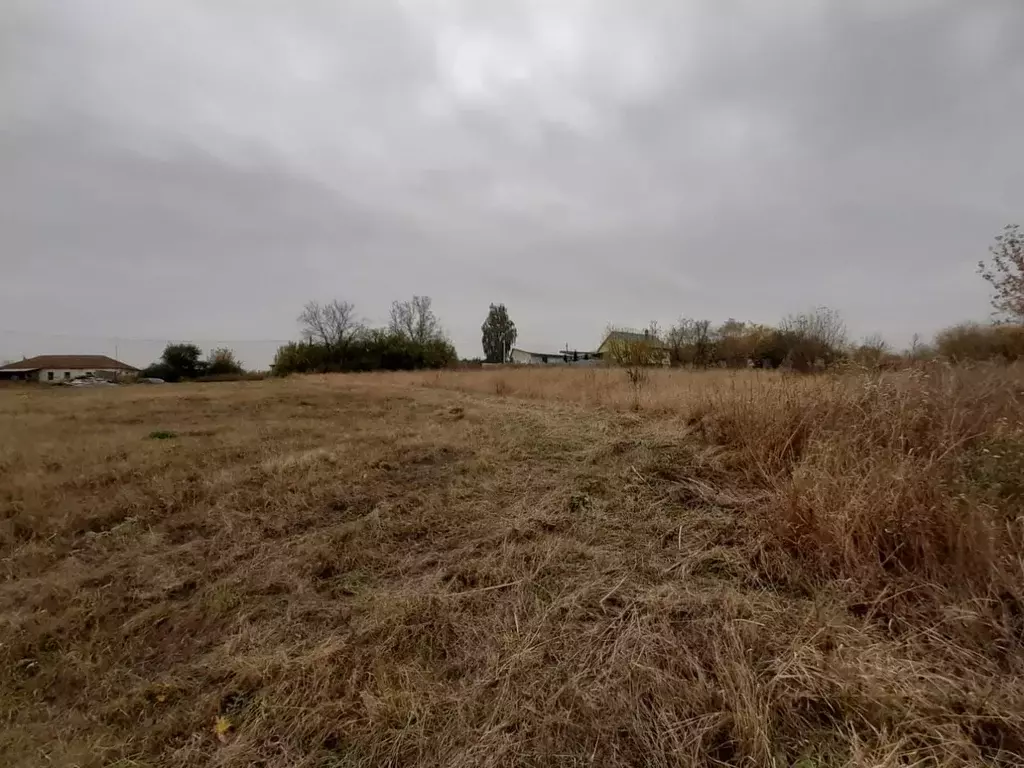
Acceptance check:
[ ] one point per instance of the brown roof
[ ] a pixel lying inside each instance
(71, 362)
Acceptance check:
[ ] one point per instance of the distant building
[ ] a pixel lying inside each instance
(522, 357)
(618, 339)
(565, 357)
(53, 369)
(612, 346)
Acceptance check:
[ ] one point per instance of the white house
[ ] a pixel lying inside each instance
(53, 369)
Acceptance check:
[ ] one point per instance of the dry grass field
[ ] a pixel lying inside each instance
(515, 567)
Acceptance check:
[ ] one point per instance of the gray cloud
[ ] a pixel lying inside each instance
(195, 170)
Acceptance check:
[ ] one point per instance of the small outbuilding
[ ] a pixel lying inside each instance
(565, 357)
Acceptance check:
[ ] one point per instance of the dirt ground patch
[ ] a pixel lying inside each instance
(378, 570)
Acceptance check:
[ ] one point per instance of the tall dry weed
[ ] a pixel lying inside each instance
(871, 476)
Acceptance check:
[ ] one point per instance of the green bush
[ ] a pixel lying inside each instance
(160, 370)
(178, 361)
(222, 362)
(376, 350)
(182, 362)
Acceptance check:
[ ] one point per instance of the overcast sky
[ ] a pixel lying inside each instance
(187, 169)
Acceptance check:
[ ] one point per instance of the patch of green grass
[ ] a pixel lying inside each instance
(997, 467)
(162, 434)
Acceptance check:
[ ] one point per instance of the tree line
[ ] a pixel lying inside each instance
(184, 362)
(802, 341)
(335, 339)
(818, 338)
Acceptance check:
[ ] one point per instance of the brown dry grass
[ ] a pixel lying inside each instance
(664, 390)
(414, 570)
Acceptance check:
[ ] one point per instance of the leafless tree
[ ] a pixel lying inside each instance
(1006, 272)
(876, 342)
(915, 346)
(818, 335)
(823, 325)
(333, 324)
(690, 342)
(733, 343)
(919, 350)
(871, 352)
(415, 320)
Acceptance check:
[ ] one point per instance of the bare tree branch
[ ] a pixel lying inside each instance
(691, 342)
(333, 324)
(415, 320)
(1006, 272)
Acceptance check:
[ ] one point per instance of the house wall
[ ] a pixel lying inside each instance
(550, 360)
(522, 357)
(58, 374)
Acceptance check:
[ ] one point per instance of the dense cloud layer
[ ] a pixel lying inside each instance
(190, 169)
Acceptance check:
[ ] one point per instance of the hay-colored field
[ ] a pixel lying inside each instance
(416, 569)
(663, 389)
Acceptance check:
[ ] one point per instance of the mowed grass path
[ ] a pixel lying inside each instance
(364, 571)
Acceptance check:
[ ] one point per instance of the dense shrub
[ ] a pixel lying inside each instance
(973, 341)
(160, 370)
(183, 362)
(804, 342)
(374, 350)
(178, 361)
(222, 362)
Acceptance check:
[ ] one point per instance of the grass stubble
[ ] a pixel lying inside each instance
(514, 567)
